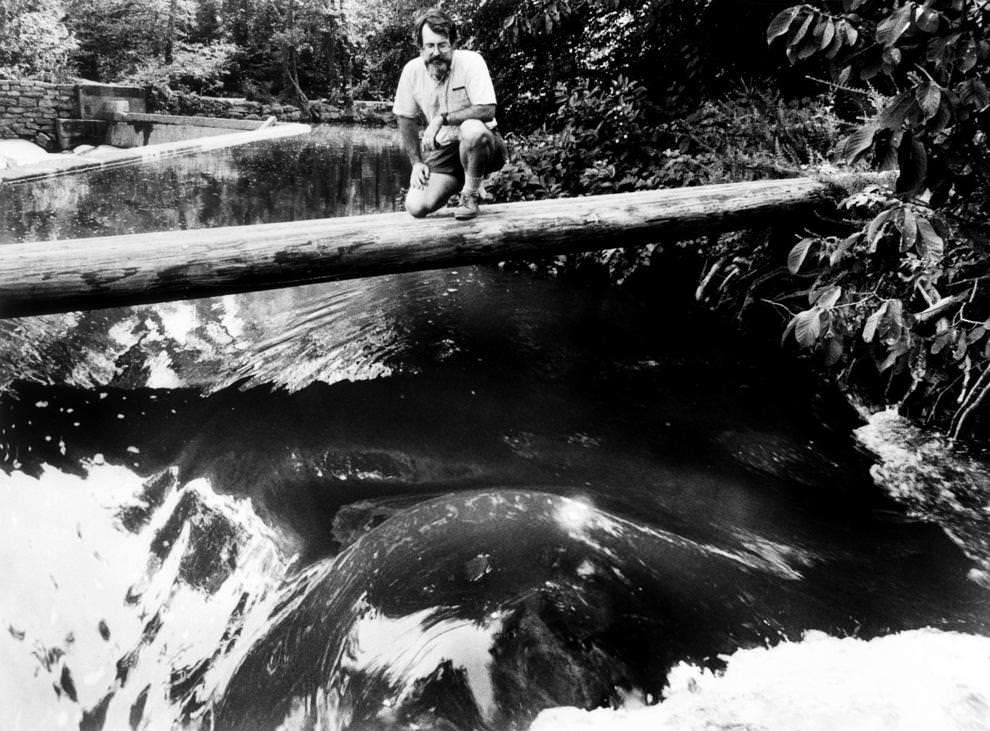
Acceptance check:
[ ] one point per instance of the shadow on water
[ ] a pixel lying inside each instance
(493, 494)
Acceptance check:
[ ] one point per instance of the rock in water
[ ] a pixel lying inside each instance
(478, 610)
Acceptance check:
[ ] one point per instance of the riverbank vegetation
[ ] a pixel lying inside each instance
(886, 292)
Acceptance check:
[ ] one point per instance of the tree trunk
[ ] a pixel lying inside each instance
(60, 276)
(169, 54)
(289, 64)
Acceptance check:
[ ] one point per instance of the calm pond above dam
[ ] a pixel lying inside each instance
(440, 500)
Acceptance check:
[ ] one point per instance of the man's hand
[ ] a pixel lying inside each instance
(420, 175)
(430, 134)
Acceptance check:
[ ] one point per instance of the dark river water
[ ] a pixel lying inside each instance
(441, 500)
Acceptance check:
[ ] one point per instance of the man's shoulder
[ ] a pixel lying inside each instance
(468, 57)
(412, 66)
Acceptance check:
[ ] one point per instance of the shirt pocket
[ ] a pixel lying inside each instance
(459, 99)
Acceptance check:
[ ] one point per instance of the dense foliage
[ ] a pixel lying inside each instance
(897, 294)
(34, 40)
(341, 49)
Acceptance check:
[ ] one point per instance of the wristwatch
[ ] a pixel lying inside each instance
(443, 119)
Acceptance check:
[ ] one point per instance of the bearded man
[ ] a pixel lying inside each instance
(451, 90)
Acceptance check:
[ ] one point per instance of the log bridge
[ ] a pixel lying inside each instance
(62, 276)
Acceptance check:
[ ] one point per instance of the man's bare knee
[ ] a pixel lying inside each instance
(475, 133)
(417, 208)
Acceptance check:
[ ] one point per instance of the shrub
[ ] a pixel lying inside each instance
(607, 138)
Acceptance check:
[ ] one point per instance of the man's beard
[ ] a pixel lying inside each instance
(438, 68)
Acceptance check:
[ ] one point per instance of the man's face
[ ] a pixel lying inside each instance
(436, 52)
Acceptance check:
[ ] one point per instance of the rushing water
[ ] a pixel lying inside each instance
(434, 500)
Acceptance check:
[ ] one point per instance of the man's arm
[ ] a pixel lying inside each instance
(483, 112)
(409, 135)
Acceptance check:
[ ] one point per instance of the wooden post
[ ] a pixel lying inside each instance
(61, 276)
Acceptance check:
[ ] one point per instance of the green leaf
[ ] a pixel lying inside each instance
(932, 247)
(969, 57)
(794, 41)
(876, 228)
(807, 327)
(893, 356)
(798, 254)
(973, 93)
(891, 326)
(855, 145)
(908, 226)
(870, 328)
(834, 46)
(893, 115)
(827, 33)
(894, 25)
(808, 47)
(927, 20)
(842, 248)
(781, 22)
(959, 352)
(850, 33)
(788, 330)
(829, 296)
(929, 96)
(885, 154)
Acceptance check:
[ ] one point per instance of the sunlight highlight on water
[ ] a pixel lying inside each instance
(125, 624)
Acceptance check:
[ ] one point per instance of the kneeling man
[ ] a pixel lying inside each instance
(452, 91)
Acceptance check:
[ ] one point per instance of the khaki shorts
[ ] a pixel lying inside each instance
(447, 158)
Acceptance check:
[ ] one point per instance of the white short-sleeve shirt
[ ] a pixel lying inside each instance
(420, 95)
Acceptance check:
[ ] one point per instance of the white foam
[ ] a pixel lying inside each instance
(918, 680)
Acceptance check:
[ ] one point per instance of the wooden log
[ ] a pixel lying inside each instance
(61, 276)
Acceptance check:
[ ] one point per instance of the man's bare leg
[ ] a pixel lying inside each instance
(476, 149)
(423, 200)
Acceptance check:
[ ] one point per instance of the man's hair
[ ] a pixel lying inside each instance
(438, 21)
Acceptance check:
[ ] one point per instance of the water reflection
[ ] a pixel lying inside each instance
(333, 171)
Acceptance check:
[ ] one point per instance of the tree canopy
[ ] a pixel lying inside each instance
(336, 49)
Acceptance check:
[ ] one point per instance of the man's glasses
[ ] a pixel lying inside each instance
(441, 47)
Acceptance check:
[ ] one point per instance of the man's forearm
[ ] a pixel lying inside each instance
(484, 112)
(409, 135)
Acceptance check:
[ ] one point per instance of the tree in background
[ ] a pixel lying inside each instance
(263, 48)
(34, 40)
(116, 37)
(310, 46)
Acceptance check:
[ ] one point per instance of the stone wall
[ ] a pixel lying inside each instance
(28, 110)
(363, 112)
